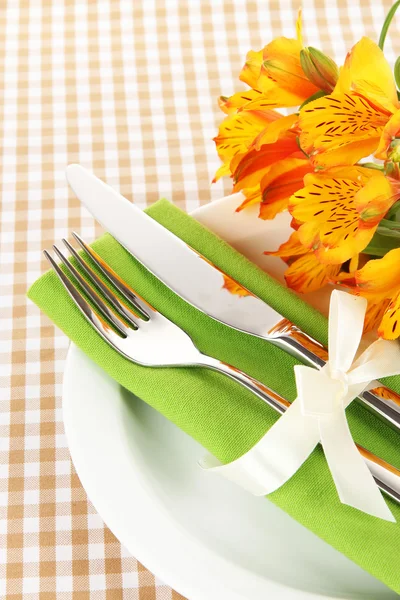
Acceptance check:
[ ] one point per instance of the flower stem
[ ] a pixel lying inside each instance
(392, 212)
(386, 24)
(375, 251)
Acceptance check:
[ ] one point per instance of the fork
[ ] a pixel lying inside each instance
(146, 337)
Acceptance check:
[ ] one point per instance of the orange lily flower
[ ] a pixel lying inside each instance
(305, 272)
(340, 209)
(281, 73)
(271, 174)
(249, 169)
(236, 134)
(347, 125)
(379, 282)
(276, 187)
(275, 75)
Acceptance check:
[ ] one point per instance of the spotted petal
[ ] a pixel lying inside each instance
(390, 324)
(251, 69)
(390, 131)
(238, 131)
(348, 125)
(378, 279)
(374, 314)
(282, 180)
(307, 274)
(344, 154)
(249, 170)
(274, 130)
(367, 72)
(240, 99)
(332, 226)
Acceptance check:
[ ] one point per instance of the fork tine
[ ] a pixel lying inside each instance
(92, 294)
(119, 306)
(97, 322)
(137, 301)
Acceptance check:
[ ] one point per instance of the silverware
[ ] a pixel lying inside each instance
(146, 337)
(202, 284)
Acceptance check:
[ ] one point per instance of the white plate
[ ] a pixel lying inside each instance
(203, 536)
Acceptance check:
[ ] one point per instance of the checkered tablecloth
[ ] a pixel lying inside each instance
(128, 89)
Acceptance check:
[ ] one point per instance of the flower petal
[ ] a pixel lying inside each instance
(292, 247)
(274, 96)
(389, 328)
(390, 131)
(234, 287)
(374, 314)
(332, 225)
(347, 125)
(281, 66)
(333, 122)
(378, 279)
(249, 170)
(253, 196)
(237, 132)
(251, 69)
(367, 71)
(348, 154)
(283, 179)
(307, 274)
(274, 130)
(375, 199)
(223, 171)
(240, 99)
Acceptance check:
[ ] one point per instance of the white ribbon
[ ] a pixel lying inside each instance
(318, 415)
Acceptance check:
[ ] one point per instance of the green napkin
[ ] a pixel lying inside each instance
(225, 418)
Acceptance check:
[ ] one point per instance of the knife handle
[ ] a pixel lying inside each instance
(387, 476)
(380, 400)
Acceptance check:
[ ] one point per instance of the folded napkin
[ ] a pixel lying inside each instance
(225, 418)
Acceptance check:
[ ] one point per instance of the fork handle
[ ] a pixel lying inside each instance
(380, 400)
(387, 477)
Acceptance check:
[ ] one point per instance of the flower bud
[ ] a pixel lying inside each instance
(393, 151)
(321, 70)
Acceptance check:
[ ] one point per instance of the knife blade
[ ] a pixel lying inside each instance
(197, 281)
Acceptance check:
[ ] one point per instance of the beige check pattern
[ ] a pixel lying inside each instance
(127, 88)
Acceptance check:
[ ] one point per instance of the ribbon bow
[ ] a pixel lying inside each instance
(318, 415)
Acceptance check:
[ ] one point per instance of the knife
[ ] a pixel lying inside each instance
(197, 281)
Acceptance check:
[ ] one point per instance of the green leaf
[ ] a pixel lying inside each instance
(387, 224)
(393, 212)
(381, 245)
(392, 233)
